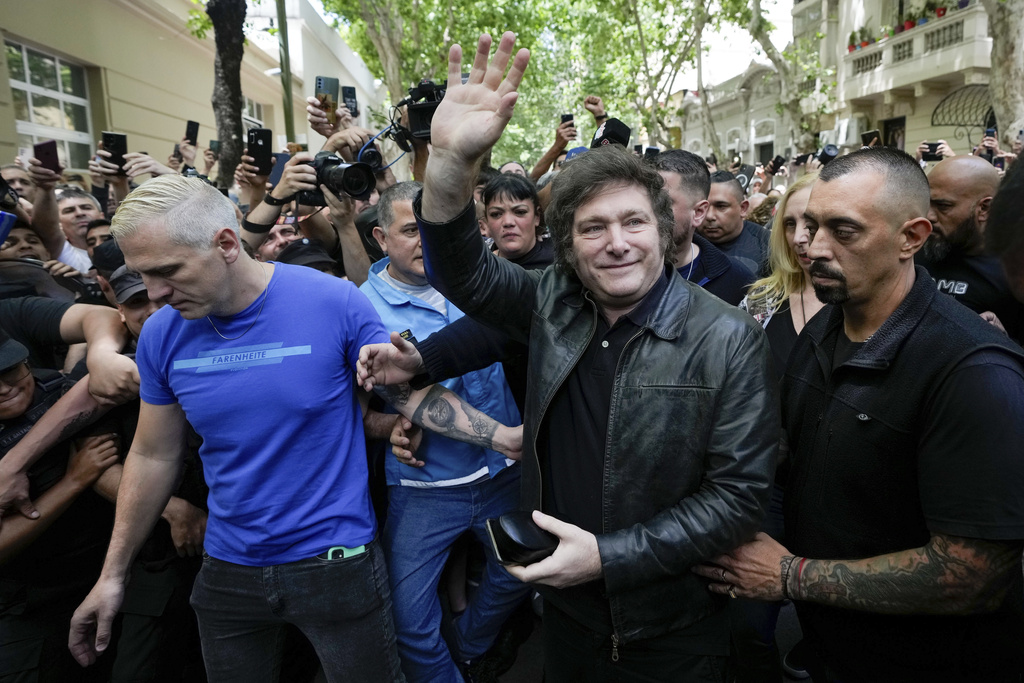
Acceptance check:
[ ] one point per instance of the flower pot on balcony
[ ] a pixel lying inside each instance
(856, 47)
(851, 48)
(962, 4)
(940, 12)
(898, 29)
(909, 24)
(922, 20)
(864, 43)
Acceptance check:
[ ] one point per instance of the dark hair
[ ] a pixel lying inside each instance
(691, 168)
(726, 177)
(96, 223)
(1004, 230)
(72, 192)
(906, 183)
(512, 162)
(592, 173)
(485, 174)
(511, 186)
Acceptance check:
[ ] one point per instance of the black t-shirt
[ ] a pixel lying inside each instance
(978, 282)
(781, 338)
(573, 440)
(35, 322)
(541, 256)
(750, 248)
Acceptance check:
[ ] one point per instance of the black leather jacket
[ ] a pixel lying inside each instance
(692, 432)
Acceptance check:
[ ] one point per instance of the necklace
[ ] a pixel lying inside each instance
(692, 257)
(266, 292)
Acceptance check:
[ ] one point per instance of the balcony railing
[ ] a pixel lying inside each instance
(936, 49)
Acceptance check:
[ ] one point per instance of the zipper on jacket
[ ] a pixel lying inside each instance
(615, 648)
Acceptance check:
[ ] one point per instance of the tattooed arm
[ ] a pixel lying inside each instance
(949, 575)
(75, 410)
(441, 410)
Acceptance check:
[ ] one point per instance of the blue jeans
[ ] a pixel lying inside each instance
(422, 524)
(343, 606)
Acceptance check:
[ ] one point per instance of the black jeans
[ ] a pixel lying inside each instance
(575, 654)
(342, 606)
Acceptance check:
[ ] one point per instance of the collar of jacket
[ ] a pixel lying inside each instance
(715, 260)
(666, 319)
(881, 349)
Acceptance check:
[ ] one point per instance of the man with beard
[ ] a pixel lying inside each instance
(962, 188)
(904, 414)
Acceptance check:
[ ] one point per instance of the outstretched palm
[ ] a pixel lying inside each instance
(472, 115)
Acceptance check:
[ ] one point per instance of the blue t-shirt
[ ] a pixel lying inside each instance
(283, 450)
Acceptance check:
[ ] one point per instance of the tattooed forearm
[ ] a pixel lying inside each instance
(445, 412)
(79, 422)
(396, 395)
(949, 575)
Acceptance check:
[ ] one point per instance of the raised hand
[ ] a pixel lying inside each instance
(472, 115)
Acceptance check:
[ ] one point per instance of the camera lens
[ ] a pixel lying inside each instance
(372, 158)
(355, 180)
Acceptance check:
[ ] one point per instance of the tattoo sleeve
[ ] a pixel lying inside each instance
(442, 411)
(949, 575)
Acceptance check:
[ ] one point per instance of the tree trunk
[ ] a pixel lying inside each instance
(286, 70)
(790, 81)
(228, 16)
(384, 27)
(710, 136)
(1006, 77)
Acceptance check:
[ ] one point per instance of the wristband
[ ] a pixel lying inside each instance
(257, 228)
(602, 117)
(274, 201)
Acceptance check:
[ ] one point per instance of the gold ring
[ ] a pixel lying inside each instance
(732, 591)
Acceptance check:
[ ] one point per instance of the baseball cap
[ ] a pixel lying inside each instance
(126, 284)
(11, 351)
(305, 252)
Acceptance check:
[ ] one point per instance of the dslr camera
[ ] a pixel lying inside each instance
(355, 180)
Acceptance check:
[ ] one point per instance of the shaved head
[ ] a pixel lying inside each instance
(972, 174)
(907, 196)
(961, 194)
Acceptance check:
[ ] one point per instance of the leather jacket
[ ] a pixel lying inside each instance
(692, 431)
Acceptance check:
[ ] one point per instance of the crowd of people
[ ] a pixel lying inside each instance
(260, 435)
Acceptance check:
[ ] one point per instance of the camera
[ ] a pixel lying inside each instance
(422, 113)
(371, 156)
(356, 180)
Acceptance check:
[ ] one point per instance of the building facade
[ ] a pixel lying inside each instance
(73, 69)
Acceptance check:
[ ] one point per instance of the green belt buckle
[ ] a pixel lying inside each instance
(341, 552)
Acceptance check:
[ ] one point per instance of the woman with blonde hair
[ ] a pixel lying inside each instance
(784, 301)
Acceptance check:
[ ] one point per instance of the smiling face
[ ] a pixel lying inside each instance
(618, 248)
(512, 224)
(16, 388)
(192, 281)
(23, 243)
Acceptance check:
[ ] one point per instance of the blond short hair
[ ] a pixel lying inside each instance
(191, 210)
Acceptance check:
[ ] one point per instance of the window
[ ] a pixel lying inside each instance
(252, 113)
(51, 102)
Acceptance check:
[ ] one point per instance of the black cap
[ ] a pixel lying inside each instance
(305, 252)
(126, 284)
(107, 258)
(11, 352)
(611, 132)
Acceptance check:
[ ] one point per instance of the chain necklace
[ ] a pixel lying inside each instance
(266, 292)
(692, 257)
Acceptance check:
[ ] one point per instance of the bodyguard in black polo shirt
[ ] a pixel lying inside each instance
(905, 417)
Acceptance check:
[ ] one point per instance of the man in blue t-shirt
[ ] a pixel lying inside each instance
(260, 361)
(451, 488)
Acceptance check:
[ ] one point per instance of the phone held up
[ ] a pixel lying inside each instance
(117, 145)
(327, 94)
(259, 142)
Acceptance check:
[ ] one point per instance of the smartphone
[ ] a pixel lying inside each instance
(259, 145)
(192, 133)
(778, 162)
(802, 159)
(215, 146)
(280, 159)
(568, 117)
(46, 152)
(651, 152)
(327, 95)
(1000, 163)
(348, 96)
(177, 151)
(933, 152)
(990, 132)
(736, 160)
(638, 150)
(117, 145)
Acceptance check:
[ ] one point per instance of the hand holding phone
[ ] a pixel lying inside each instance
(327, 96)
(871, 138)
(192, 133)
(259, 142)
(116, 144)
(348, 98)
(931, 153)
(46, 153)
